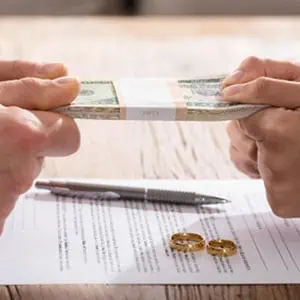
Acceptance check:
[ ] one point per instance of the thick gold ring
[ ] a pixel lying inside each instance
(187, 242)
(221, 247)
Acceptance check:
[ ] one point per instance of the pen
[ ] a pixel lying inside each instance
(109, 191)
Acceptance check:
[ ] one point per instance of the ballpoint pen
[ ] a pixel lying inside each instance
(98, 191)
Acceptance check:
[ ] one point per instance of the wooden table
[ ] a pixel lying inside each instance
(105, 48)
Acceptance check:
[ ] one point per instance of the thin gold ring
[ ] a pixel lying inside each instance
(187, 242)
(221, 247)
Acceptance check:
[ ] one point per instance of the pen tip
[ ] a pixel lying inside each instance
(217, 200)
(225, 200)
(222, 200)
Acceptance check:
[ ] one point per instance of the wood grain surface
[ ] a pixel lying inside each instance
(110, 48)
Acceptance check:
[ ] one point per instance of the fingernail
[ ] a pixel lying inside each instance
(231, 90)
(67, 80)
(234, 77)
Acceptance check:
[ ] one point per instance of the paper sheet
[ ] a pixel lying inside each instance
(49, 240)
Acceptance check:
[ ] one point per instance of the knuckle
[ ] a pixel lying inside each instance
(269, 130)
(22, 68)
(18, 67)
(274, 125)
(267, 62)
(239, 165)
(273, 168)
(243, 124)
(231, 128)
(260, 86)
(251, 62)
(248, 167)
(243, 165)
(251, 151)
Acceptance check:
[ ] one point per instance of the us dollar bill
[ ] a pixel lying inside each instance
(197, 99)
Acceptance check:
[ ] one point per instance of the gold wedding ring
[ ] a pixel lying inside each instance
(221, 247)
(187, 242)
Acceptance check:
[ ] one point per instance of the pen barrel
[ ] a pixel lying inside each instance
(176, 197)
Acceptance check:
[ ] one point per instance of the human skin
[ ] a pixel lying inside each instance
(266, 145)
(29, 132)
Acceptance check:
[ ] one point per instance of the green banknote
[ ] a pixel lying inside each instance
(97, 93)
(203, 92)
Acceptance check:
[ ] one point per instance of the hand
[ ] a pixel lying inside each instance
(28, 132)
(267, 144)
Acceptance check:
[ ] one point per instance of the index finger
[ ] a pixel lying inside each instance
(17, 69)
(254, 67)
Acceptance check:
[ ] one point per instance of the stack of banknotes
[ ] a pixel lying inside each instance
(156, 99)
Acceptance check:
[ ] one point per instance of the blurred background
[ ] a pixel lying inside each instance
(149, 7)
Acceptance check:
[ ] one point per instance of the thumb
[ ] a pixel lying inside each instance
(266, 91)
(253, 67)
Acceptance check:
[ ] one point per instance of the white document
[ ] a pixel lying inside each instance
(53, 240)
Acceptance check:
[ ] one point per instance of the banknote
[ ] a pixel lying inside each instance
(193, 99)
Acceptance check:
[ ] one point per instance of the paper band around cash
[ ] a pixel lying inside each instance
(187, 242)
(150, 99)
(221, 247)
